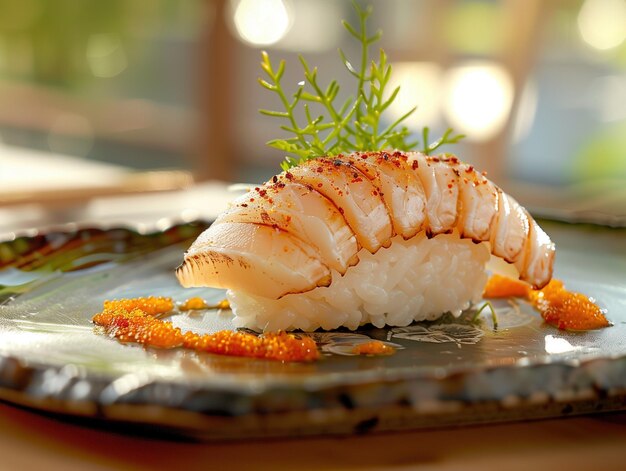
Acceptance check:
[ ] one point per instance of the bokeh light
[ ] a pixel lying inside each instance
(261, 22)
(420, 85)
(105, 55)
(478, 99)
(602, 23)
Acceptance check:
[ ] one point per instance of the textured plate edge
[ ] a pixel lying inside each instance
(339, 421)
(407, 403)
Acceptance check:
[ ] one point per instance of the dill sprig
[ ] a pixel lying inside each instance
(354, 125)
(494, 318)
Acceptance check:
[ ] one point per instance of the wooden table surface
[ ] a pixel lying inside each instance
(30, 441)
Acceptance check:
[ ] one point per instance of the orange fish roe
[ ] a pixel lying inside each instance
(193, 303)
(499, 286)
(375, 347)
(150, 305)
(132, 320)
(567, 310)
(558, 307)
(280, 346)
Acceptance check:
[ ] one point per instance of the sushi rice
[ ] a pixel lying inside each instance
(411, 280)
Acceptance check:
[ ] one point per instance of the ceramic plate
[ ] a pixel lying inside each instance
(449, 372)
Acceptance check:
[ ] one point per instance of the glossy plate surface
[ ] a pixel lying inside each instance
(448, 372)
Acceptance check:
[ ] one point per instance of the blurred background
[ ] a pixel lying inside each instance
(104, 98)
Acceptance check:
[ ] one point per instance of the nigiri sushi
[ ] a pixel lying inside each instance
(386, 238)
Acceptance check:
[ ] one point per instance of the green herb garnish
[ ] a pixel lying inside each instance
(355, 125)
(494, 318)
